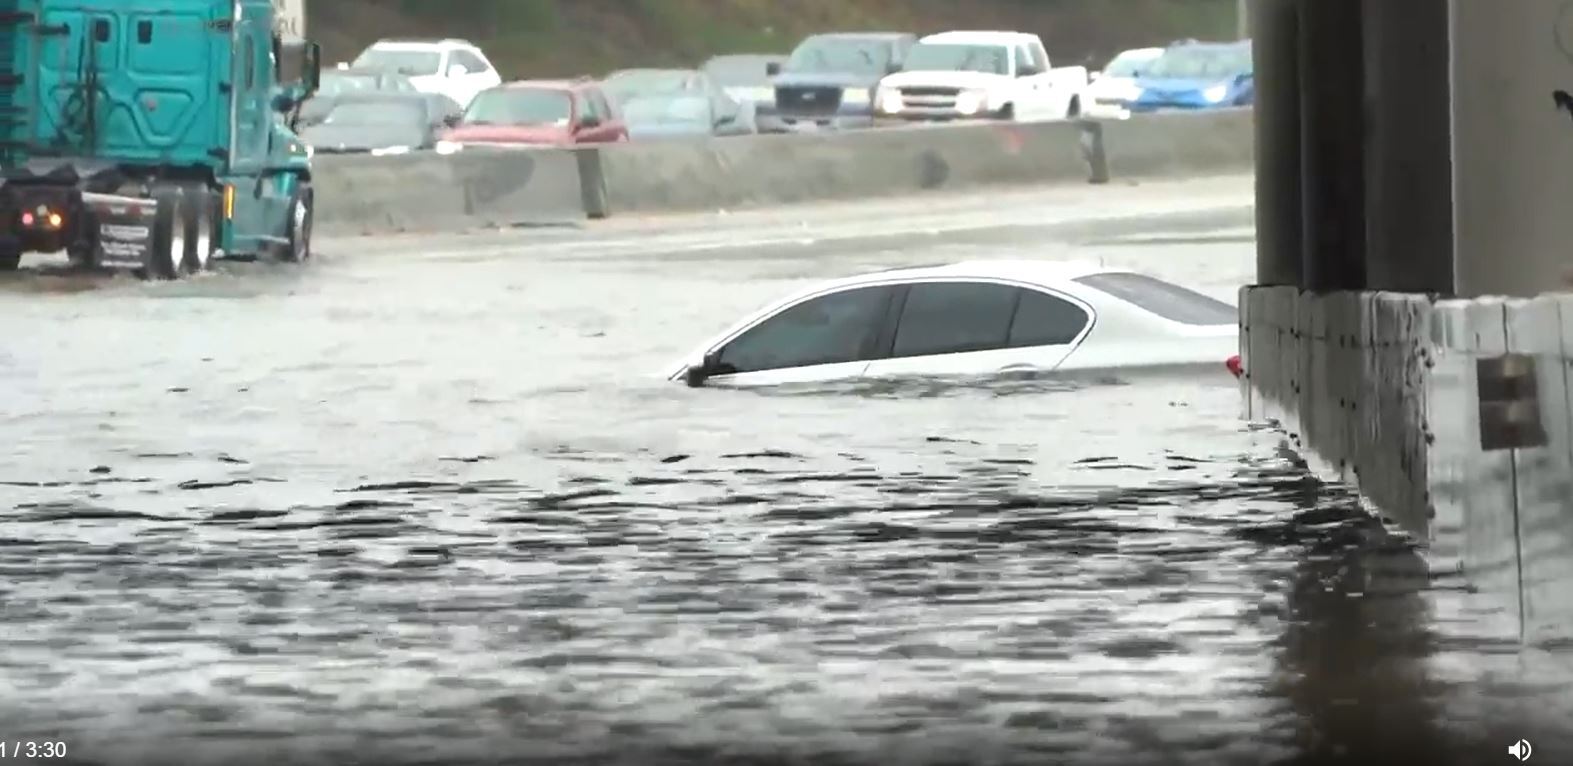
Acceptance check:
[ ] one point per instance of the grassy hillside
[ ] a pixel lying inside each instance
(543, 38)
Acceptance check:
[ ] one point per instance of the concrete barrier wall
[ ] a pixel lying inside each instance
(361, 194)
(479, 188)
(1453, 417)
(1181, 144)
(764, 170)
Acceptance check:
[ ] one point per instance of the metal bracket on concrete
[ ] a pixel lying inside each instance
(1509, 403)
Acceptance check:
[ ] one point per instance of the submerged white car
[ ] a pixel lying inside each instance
(977, 318)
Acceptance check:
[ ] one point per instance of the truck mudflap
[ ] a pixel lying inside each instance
(120, 229)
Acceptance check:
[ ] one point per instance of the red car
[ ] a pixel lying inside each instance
(538, 113)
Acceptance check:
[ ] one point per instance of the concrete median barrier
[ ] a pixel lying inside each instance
(1180, 144)
(754, 171)
(485, 187)
(426, 192)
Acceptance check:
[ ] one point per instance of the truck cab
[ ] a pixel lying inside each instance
(974, 75)
(828, 81)
(154, 135)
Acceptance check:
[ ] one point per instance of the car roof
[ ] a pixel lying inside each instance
(562, 85)
(1046, 273)
(978, 36)
(419, 43)
(873, 36)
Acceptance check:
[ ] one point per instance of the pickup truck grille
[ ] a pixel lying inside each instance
(803, 100)
(930, 97)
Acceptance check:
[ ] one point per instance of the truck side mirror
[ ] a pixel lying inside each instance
(311, 69)
(772, 68)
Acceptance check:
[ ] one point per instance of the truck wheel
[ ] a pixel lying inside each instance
(299, 234)
(200, 223)
(167, 247)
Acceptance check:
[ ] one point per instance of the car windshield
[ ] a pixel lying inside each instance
(636, 83)
(668, 111)
(340, 84)
(520, 106)
(1165, 299)
(376, 113)
(946, 57)
(740, 71)
(409, 62)
(839, 55)
(1201, 62)
(1127, 64)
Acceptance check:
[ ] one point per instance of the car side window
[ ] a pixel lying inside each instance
(954, 317)
(1024, 63)
(592, 106)
(1045, 320)
(472, 63)
(830, 329)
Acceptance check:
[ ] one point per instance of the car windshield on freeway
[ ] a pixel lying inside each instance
(831, 54)
(410, 62)
(371, 124)
(669, 111)
(1201, 62)
(950, 57)
(635, 83)
(741, 70)
(1128, 64)
(341, 83)
(520, 106)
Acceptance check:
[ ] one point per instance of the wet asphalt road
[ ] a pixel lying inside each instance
(422, 502)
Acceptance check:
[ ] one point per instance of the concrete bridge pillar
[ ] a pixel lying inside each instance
(1276, 52)
(1512, 140)
(1332, 138)
(1408, 162)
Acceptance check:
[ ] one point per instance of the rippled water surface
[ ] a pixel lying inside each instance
(422, 502)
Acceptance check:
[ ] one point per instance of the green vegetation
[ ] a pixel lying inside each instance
(548, 38)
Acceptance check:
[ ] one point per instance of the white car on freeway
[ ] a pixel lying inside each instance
(455, 68)
(1116, 86)
(1001, 75)
(979, 318)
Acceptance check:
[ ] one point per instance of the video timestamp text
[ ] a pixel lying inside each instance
(27, 749)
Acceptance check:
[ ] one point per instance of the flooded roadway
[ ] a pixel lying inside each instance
(421, 502)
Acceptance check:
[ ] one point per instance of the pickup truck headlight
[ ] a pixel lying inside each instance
(971, 101)
(855, 96)
(1216, 93)
(890, 101)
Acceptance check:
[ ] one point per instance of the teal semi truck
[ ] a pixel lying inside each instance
(154, 135)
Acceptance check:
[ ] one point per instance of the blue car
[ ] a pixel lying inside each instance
(1196, 75)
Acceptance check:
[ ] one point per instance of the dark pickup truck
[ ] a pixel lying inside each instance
(828, 82)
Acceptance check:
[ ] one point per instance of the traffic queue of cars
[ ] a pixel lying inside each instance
(414, 95)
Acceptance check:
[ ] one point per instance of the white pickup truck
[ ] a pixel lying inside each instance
(963, 75)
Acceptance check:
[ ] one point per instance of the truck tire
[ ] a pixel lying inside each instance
(298, 249)
(200, 222)
(165, 255)
(10, 258)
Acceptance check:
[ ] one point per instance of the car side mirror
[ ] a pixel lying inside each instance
(696, 374)
(457, 70)
(772, 68)
(452, 120)
(342, 65)
(1094, 76)
(893, 67)
(590, 121)
(311, 67)
(284, 101)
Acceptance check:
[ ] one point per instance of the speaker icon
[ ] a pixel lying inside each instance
(1520, 750)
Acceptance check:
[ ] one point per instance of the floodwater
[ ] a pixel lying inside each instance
(423, 502)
